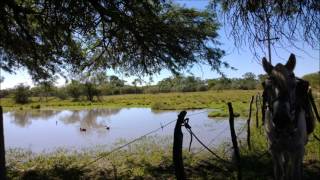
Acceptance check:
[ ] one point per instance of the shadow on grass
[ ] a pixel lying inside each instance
(255, 168)
(252, 168)
(147, 166)
(56, 172)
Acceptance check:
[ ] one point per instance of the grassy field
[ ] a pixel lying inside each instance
(151, 158)
(164, 101)
(216, 100)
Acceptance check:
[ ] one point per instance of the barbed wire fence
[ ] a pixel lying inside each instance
(220, 157)
(229, 164)
(136, 139)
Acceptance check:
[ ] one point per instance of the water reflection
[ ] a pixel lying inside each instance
(40, 130)
(93, 119)
(25, 118)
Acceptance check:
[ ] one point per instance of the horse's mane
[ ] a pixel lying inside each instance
(278, 73)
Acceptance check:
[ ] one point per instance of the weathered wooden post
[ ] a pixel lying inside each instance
(177, 147)
(257, 111)
(234, 140)
(248, 124)
(2, 148)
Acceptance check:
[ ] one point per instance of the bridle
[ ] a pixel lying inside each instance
(270, 100)
(270, 97)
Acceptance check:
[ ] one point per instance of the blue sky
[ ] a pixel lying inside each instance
(308, 59)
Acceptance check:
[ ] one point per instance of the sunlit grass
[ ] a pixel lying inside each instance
(151, 158)
(163, 101)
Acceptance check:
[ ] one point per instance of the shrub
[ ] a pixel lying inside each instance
(22, 93)
(36, 106)
(4, 93)
(74, 90)
(62, 93)
(158, 105)
(151, 90)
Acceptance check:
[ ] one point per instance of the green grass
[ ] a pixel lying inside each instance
(151, 158)
(164, 101)
(214, 100)
(314, 79)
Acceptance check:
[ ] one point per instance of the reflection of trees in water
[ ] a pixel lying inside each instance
(25, 118)
(89, 119)
(71, 119)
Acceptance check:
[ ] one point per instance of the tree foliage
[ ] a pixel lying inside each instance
(136, 37)
(288, 20)
(96, 85)
(46, 87)
(90, 83)
(21, 94)
(180, 83)
(248, 81)
(74, 89)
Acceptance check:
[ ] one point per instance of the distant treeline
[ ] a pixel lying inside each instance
(92, 87)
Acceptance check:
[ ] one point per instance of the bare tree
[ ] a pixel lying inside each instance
(258, 21)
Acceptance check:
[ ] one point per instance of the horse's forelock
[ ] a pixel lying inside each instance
(280, 74)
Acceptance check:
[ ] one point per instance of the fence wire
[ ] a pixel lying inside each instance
(164, 126)
(212, 140)
(136, 139)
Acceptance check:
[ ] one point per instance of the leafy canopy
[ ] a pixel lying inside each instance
(137, 37)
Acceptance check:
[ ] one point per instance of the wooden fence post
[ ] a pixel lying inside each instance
(234, 140)
(177, 147)
(2, 148)
(248, 124)
(257, 111)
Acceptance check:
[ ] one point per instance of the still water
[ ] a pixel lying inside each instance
(47, 130)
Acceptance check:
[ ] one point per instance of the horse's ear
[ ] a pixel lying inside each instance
(266, 65)
(291, 62)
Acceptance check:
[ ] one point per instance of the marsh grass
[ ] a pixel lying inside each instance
(216, 100)
(257, 166)
(151, 158)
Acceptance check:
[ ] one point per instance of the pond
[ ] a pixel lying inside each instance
(47, 130)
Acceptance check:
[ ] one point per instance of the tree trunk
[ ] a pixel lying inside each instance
(2, 148)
